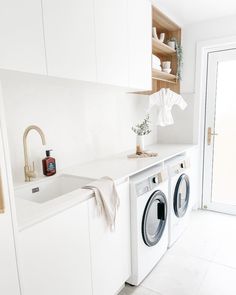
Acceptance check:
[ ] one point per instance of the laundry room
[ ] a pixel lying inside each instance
(116, 147)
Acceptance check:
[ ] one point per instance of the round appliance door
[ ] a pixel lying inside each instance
(154, 218)
(181, 195)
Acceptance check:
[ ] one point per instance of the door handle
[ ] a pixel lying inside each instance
(161, 211)
(2, 208)
(209, 135)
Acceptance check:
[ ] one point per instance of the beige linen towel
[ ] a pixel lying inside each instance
(106, 197)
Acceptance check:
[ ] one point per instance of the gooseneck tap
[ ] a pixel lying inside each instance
(30, 171)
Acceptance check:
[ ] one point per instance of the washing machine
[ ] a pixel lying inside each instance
(149, 221)
(180, 201)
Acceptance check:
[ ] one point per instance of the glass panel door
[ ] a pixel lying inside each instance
(220, 133)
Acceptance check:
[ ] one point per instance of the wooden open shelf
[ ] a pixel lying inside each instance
(164, 24)
(159, 47)
(160, 79)
(162, 76)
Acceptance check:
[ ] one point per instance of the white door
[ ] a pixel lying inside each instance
(220, 133)
(70, 38)
(9, 283)
(21, 36)
(111, 24)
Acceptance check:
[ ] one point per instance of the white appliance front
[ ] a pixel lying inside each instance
(180, 201)
(149, 222)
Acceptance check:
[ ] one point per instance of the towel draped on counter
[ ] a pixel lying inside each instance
(107, 198)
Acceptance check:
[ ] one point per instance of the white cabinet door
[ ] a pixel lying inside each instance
(21, 36)
(9, 283)
(70, 38)
(140, 44)
(111, 41)
(55, 255)
(110, 251)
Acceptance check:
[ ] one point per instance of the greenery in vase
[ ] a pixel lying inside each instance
(179, 54)
(143, 128)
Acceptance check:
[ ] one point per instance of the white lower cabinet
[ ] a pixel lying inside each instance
(75, 253)
(110, 251)
(55, 255)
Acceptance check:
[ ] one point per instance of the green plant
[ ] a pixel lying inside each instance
(179, 54)
(143, 128)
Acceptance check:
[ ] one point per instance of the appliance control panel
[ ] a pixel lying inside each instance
(151, 182)
(181, 166)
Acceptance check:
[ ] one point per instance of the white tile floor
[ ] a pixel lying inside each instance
(202, 261)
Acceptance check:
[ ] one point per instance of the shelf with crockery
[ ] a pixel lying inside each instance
(161, 48)
(162, 79)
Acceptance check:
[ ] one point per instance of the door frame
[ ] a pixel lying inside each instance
(202, 51)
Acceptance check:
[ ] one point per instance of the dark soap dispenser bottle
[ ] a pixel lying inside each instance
(49, 164)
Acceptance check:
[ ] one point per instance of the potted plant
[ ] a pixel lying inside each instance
(141, 130)
(175, 44)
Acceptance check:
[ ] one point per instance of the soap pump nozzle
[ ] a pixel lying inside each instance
(48, 153)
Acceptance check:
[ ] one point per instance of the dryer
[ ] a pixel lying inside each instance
(180, 201)
(149, 221)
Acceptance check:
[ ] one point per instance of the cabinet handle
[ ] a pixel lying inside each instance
(2, 209)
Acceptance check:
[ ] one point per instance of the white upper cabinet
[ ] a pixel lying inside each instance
(70, 38)
(21, 36)
(111, 41)
(104, 41)
(140, 44)
(110, 251)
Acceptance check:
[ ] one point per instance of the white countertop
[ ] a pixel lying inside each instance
(117, 167)
(30, 213)
(120, 166)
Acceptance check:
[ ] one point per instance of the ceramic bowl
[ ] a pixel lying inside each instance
(166, 64)
(166, 70)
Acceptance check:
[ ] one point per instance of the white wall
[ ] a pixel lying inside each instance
(217, 28)
(179, 132)
(81, 121)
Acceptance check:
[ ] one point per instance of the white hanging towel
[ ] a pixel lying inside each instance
(164, 100)
(107, 198)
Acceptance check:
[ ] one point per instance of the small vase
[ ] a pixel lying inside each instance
(162, 37)
(139, 144)
(171, 44)
(154, 33)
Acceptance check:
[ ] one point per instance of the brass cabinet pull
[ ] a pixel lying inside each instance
(2, 209)
(209, 135)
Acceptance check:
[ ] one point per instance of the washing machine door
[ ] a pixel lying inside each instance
(181, 195)
(154, 218)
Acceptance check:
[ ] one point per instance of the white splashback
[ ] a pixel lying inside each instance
(81, 121)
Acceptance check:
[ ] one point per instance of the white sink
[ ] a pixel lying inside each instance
(47, 189)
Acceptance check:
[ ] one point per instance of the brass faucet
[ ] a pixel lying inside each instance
(30, 172)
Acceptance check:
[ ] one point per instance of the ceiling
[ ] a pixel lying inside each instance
(192, 11)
